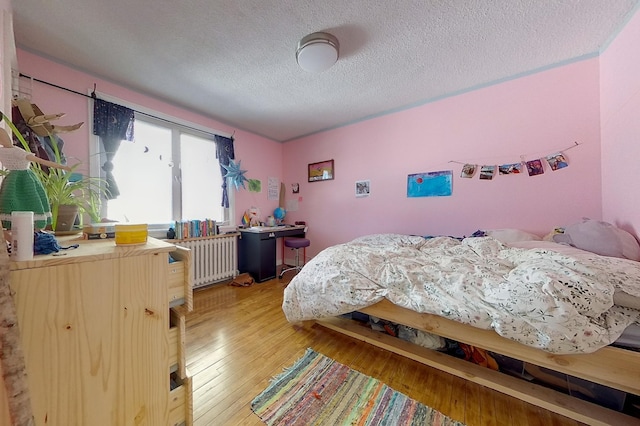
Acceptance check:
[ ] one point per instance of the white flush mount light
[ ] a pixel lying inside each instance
(317, 52)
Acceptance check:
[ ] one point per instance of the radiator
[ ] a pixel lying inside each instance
(214, 259)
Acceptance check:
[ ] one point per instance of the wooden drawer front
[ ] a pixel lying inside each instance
(176, 283)
(177, 358)
(180, 281)
(181, 402)
(174, 336)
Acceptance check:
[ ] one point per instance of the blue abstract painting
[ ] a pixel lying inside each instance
(431, 184)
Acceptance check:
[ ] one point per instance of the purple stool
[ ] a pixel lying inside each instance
(296, 244)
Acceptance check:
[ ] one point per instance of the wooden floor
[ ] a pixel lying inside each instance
(238, 338)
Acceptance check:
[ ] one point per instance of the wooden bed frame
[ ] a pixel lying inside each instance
(610, 366)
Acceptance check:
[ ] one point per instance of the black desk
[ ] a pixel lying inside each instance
(257, 249)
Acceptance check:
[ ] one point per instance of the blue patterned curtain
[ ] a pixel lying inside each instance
(113, 123)
(224, 153)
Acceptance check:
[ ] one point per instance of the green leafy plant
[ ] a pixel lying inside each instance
(71, 189)
(66, 188)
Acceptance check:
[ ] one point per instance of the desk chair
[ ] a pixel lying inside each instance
(296, 244)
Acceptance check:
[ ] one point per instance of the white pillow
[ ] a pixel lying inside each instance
(507, 236)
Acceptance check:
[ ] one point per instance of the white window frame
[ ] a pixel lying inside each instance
(97, 158)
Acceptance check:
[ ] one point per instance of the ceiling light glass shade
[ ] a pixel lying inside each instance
(317, 52)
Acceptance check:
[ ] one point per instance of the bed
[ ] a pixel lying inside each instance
(543, 303)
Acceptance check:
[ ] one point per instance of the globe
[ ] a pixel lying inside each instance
(279, 213)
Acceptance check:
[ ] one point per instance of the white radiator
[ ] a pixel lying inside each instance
(213, 259)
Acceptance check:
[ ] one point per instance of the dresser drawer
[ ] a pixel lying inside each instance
(180, 401)
(179, 280)
(176, 283)
(174, 336)
(177, 326)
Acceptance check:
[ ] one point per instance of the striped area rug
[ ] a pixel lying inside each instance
(317, 390)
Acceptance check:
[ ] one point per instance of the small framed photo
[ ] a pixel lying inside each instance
(363, 188)
(321, 171)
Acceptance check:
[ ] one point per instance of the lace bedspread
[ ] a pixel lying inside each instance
(539, 297)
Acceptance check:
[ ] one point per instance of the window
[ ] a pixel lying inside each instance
(169, 172)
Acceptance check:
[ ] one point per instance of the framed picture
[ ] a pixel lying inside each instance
(363, 188)
(321, 171)
(430, 184)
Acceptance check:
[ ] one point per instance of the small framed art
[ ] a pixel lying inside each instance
(363, 188)
(321, 171)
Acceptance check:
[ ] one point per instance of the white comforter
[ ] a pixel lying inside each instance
(540, 298)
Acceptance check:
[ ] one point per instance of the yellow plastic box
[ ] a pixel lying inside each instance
(131, 233)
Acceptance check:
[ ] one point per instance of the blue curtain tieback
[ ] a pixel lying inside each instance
(107, 166)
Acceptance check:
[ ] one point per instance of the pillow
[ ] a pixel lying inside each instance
(601, 238)
(507, 236)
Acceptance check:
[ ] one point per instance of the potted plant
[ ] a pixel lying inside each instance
(69, 193)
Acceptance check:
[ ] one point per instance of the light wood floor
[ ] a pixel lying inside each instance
(238, 338)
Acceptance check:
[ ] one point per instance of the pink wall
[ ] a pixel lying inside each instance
(620, 118)
(532, 116)
(261, 157)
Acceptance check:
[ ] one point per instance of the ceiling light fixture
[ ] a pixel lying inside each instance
(317, 52)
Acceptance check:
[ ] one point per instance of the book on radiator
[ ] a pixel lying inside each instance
(227, 229)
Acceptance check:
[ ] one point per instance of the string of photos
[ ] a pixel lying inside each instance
(556, 161)
(440, 183)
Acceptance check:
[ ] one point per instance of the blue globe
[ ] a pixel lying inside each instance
(279, 213)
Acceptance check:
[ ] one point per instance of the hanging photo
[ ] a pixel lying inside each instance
(273, 184)
(487, 172)
(321, 171)
(431, 184)
(255, 185)
(557, 161)
(363, 188)
(534, 167)
(508, 169)
(468, 170)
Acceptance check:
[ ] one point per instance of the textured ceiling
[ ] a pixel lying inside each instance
(234, 60)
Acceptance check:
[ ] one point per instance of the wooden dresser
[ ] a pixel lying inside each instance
(102, 329)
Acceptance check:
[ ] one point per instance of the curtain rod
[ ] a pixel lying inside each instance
(92, 96)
